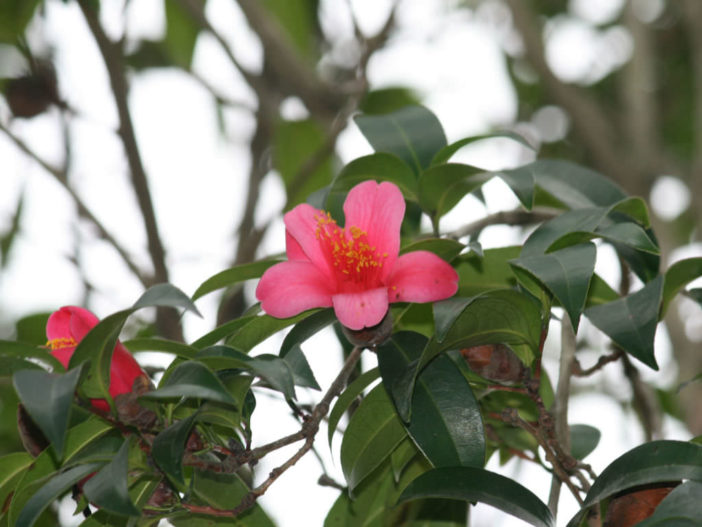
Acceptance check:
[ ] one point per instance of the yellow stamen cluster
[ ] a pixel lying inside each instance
(60, 343)
(348, 251)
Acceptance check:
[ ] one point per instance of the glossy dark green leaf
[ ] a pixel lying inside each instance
(22, 350)
(583, 440)
(578, 221)
(631, 321)
(680, 508)
(296, 144)
(223, 331)
(165, 295)
(600, 292)
(48, 398)
(347, 397)
(181, 34)
(192, 380)
(478, 274)
(259, 328)
(32, 329)
(157, 344)
(678, 276)
(499, 316)
(389, 99)
(444, 248)
(635, 208)
(12, 468)
(108, 488)
(475, 484)
(566, 273)
(300, 368)
(629, 234)
(443, 155)
(652, 462)
(372, 434)
(50, 491)
(441, 187)
(233, 276)
(84, 434)
(413, 134)
(168, 448)
(380, 166)
(274, 370)
(308, 327)
(446, 423)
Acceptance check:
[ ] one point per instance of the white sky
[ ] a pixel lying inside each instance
(197, 177)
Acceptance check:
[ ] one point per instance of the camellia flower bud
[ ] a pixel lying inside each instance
(67, 327)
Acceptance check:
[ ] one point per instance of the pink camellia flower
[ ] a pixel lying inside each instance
(67, 327)
(355, 269)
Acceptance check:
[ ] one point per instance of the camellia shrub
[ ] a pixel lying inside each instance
(458, 332)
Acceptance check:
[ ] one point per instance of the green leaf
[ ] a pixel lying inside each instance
(259, 328)
(12, 468)
(583, 440)
(181, 34)
(295, 145)
(305, 329)
(14, 17)
(442, 187)
(499, 316)
(191, 380)
(629, 234)
(271, 368)
(631, 321)
(544, 238)
(680, 508)
(372, 434)
(566, 273)
(20, 350)
(413, 134)
(225, 330)
(491, 271)
(600, 292)
(32, 329)
(165, 295)
(50, 492)
(444, 248)
(83, 435)
(298, 21)
(300, 368)
(347, 397)
(653, 462)
(379, 167)
(232, 276)
(108, 488)
(29, 482)
(443, 155)
(159, 344)
(446, 423)
(678, 276)
(48, 398)
(475, 484)
(168, 448)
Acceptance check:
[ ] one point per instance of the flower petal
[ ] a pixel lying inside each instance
(289, 288)
(377, 209)
(70, 322)
(421, 276)
(359, 310)
(301, 224)
(124, 369)
(293, 250)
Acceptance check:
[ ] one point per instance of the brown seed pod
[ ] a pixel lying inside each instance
(637, 504)
(495, 362)
(32, 94)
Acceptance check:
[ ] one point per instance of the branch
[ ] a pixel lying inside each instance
(308, 431)
(60, 175)
(578, 371)
(509, 217)
(560, 405)
(113, 59)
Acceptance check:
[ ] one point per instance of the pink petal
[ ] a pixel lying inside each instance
(124, 369)
(301, 224)
(421, 276)
(359, 310)
(289, 288)
(293, 250)
(378, 210)
(70, 322)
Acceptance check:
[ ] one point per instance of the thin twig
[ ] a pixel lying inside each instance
(308, 431)
(578, 371)
(507, 217)
(60, 175)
